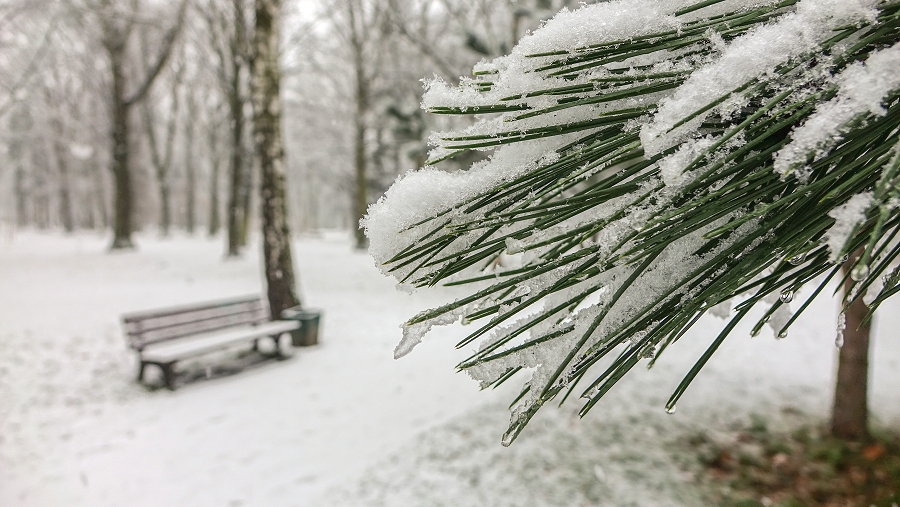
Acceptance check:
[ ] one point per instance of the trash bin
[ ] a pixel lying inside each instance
(308, 332)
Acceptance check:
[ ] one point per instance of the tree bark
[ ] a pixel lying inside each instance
(161, 156)
(190, 173)
(64, 188)
(266, 75)
(99, 193)
(215, 222)
(235, 202)
(21, 197)
(114, 40)
(246, 201)
(122, 226)
(849, 419)
(228, 31)
(360, 197)
(165, 203)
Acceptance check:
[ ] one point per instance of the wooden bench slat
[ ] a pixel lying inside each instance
(165, 333)
(176, 310)
(149, 323)
(203, 343)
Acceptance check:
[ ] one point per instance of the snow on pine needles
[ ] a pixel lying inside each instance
(648, 162)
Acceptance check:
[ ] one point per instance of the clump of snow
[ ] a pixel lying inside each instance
(846, 218)
(862, 89)
(421, 194)
(514, 246)
(752, 55)
(413, 333)
(601, 23)
(671, 168)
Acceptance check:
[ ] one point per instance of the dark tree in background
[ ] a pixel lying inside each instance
(115, 30)
(229, 33)
(162, 150)
(266, 81)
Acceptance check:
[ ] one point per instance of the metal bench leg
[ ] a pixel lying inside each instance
(141, 372)
(276, 339)
(169, 375)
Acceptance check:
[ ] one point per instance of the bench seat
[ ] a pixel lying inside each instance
(196, 345)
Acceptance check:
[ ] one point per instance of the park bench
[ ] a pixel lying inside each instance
(164, 337)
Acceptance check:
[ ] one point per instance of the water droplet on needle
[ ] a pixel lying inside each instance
(860, 272)
(787, 295)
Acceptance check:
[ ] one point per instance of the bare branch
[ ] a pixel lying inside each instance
(162, 57)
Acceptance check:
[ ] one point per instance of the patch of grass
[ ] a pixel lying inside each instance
(754, 466)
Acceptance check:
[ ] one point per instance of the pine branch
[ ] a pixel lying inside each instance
(642, 181)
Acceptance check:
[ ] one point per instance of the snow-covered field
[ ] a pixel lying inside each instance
(342, 423)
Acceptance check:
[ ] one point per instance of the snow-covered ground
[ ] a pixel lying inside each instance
(342, 423)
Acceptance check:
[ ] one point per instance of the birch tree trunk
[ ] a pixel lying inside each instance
(266, 76)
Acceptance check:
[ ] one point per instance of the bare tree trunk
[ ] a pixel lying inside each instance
(40, 195)
(115, 36)
(228, 30)
(246, 200)
(65, 191)
(62, 164)
(165, 203)
(266, 74)
(97, 193)
(55, 107)
(360, 198)
(191, 198)
(235, 52)
(21, 197)
(88, 220)
(100, 194)
(849, 417)
(215, 221)
(122, 226)
(235, 213)
(161, 156)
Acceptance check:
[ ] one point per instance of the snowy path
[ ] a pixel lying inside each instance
(81, 432)
(342, 419)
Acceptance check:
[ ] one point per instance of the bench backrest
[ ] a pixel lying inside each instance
(144, 328)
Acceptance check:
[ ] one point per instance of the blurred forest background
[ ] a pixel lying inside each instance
(146, 104)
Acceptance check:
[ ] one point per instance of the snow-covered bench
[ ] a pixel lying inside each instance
(164, 337)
